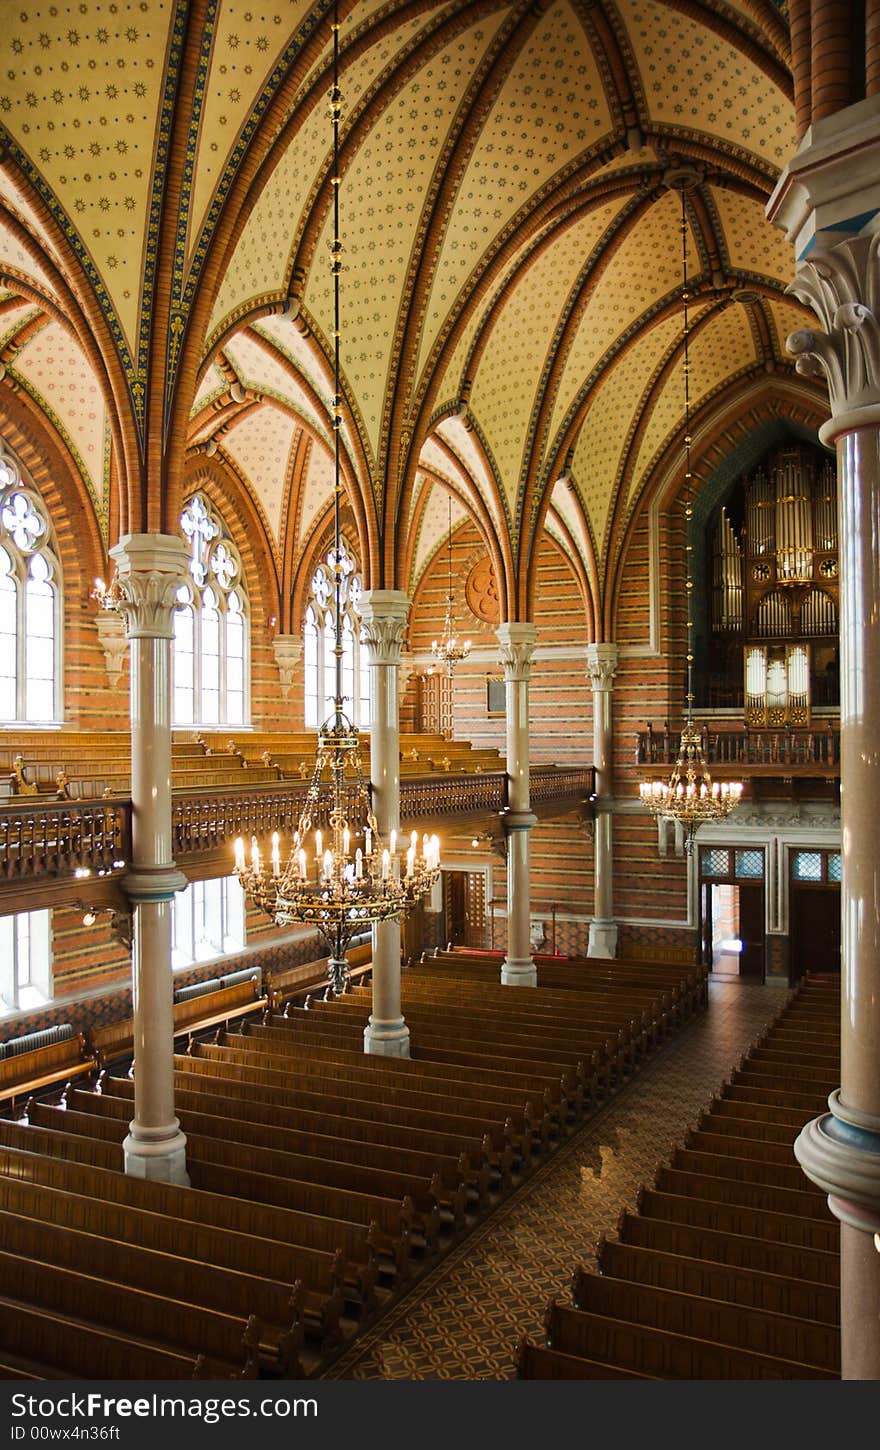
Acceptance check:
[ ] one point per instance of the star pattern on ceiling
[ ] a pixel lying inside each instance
(511, 264)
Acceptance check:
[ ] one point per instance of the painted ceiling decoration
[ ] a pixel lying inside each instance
(510, 285)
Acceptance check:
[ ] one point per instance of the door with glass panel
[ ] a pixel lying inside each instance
(814, 907)
(732, 911)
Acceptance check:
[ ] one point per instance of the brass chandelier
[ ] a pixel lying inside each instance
(449, 650)
(341, 876)
(689, 796)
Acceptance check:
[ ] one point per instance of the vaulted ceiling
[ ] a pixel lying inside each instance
(511, 312)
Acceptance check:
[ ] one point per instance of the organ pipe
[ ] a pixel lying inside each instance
(727, 590)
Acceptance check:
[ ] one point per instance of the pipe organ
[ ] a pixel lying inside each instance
(774, 590)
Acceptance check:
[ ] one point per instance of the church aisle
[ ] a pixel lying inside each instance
(463, 1322)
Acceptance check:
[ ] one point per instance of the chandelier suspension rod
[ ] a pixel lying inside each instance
(688, 475)
(336, 249)
(449, 550)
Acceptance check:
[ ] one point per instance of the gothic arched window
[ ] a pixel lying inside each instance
(320, 642)
(30, 604)
(210, 626)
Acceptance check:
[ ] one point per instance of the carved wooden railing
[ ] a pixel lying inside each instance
(787, 750)
(47, 840)
(554, 782)
(64, 839)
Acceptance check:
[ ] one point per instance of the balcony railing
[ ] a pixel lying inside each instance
(762, 752)
(64, 839)
(54, 840)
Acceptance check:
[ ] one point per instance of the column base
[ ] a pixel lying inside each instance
(160, 1158)
(603, 939)
(386, 1039)
(518, 973)
(840, 1151)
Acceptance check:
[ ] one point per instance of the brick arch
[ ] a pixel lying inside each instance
(246, 527)
(87, 699)
(316, 544)
(722, 425)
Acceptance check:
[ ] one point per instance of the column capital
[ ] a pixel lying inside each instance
(842, 286)
(602, 661)
(384, 614)
(150, 569)
(517, 641)
(827, 201)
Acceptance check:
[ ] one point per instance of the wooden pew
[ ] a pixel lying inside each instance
(538, 1109)
(536, 1362)
(731, 1218)
(71, 1195)
(323, 1092)
(59, 1061)
(53, 1347)
(710, 1279)
(230, 1344)
(432, 1181)
(681, 1336)
(398, 1084)
(786, 1260)
(234, 1169)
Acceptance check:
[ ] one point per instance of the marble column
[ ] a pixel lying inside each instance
(517, 643)
(602, 667)
(384, 613)
(824, 200)
(149, 570)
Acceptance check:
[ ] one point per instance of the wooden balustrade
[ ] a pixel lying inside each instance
(45, 840)
(804, 752)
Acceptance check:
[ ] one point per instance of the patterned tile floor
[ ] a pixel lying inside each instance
(462, 1322)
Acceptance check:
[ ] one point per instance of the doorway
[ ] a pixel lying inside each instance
(464, 908)
(732, 912)
(815, 912)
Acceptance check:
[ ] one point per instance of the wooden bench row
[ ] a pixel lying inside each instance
(321, 1180)
(730, 1266)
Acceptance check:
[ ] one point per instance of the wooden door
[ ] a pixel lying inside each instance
(751, 929)
(815, 929)
(464, 902)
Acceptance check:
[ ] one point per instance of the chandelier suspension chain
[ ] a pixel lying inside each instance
(690, 796)
(336, 250)
(352, 877)
(688, 475)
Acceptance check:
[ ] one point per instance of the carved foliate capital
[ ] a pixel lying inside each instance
(384, 614)
(517, 643)
(150, 568)
(602, 660)
(113, 643)
(288, 650)
(842, 286)
(406, 670)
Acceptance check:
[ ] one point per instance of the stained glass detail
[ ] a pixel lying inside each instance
(210, 628)
(30, 604)
(750, 865)
(320, 642)
(715, 861)
(807, 866)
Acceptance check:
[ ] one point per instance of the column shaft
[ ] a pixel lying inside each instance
(517, 644)
(150, 569)
(601, 666)
(384, 614)
(858, 459)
